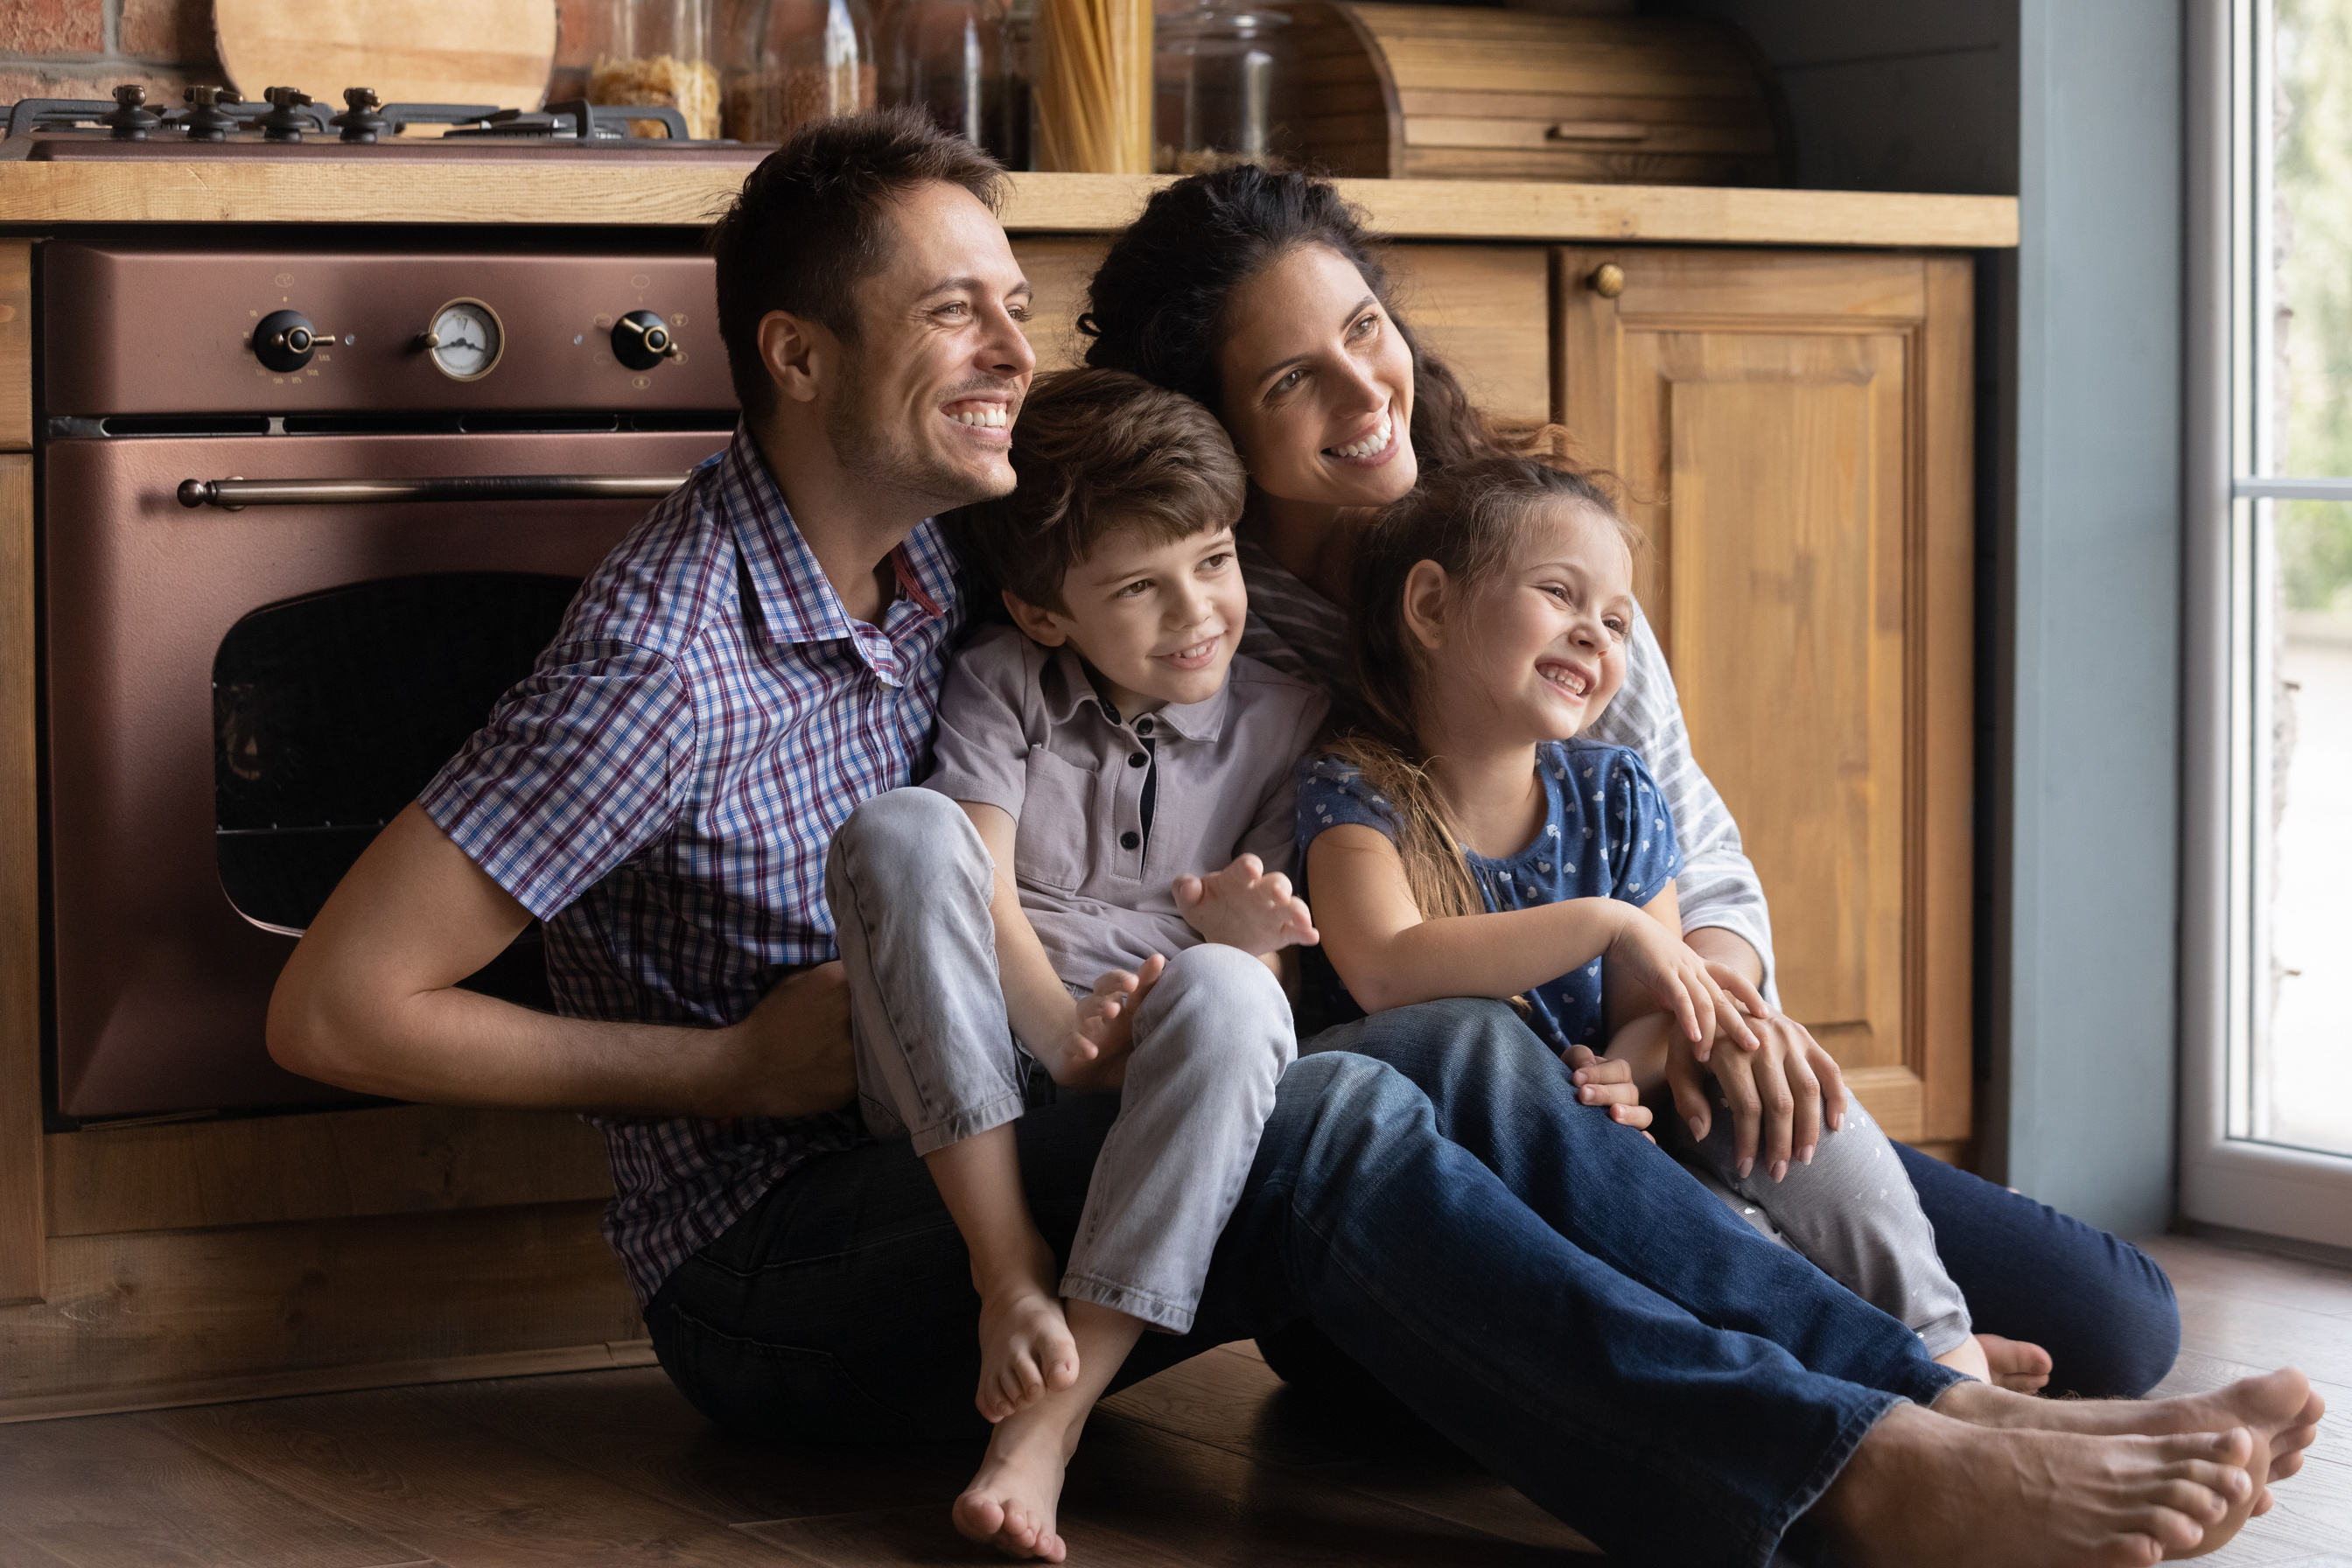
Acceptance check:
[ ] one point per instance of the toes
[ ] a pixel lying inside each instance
(2262, 1502)
(1050, 1549)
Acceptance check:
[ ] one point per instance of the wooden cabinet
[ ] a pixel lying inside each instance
(1793, 429)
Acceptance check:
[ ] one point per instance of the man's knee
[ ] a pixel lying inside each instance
(904, 840)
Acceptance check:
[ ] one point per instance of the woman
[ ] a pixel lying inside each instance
(1260, 294)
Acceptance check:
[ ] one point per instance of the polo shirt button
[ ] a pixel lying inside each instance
(1143, 726)
(1130, 840)
(1136, 759)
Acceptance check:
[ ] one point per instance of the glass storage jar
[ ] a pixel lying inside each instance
(1213, 86)
(792, 61)
(950, 58)
(660, 53)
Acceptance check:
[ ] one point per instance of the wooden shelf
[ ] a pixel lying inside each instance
(44, 196)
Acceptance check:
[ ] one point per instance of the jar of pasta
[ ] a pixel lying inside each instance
(660, 52)
(792, 61)
(948, 58)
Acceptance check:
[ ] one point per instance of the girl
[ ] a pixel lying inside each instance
(1461, 841)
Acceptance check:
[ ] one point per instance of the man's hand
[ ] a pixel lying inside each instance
(1243, 907)
(1094, 1057)
(791, 1053)
(1781, 1094)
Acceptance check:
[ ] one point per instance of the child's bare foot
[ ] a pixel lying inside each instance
(1927, 1492)
(1011, 1503)
(1025, 1348)
(2015, 1364)
(1967, 1356)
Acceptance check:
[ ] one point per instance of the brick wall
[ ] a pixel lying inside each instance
(82, 49)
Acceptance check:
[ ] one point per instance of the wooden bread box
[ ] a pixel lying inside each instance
(1461, 92)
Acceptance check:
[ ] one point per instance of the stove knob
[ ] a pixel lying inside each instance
(641, 339)
(131, 119)
(286, 121)
(284, 340)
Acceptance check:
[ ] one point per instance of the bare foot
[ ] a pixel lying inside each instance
(1923, 1491)
(2279, 1408)
(1025, 1348)
(2015, 1364)
(1010, 1503)
(1967, 1356)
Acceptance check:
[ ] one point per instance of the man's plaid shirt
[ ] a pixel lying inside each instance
(661, 791)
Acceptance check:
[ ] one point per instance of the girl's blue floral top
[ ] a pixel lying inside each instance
(1607, 834)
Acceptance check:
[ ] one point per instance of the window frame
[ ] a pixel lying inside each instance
(2227, 1178)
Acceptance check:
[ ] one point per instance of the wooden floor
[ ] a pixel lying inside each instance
(1211, 1463)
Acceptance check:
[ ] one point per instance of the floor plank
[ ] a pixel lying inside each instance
(2205, 1267)
(451, 1490)
(635, 1429)
(106, 1494)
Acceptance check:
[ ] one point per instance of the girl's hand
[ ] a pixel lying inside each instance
(1741, 990)
(1664, 965)
(1604, 1081)
(1243, 907)
(1779, 1094)
(1093, 1056)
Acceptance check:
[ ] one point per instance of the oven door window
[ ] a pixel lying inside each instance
(332, 712)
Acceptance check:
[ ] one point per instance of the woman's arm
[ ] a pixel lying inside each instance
(1387, 956)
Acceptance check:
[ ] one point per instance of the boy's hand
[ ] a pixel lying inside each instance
(1604, 1081)
(1243, 907)
(1095, 1056)
(1781, 1094)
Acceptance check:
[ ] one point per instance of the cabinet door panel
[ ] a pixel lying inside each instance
(1486, 309)
(1793, 431)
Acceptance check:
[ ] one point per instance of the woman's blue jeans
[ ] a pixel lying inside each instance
(1542, 1285)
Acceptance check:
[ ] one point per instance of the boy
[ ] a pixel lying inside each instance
(1108, 755)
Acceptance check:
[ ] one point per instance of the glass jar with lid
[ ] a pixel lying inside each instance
(660, 52)
(949, 59)
(1214, 73)
(793, 61)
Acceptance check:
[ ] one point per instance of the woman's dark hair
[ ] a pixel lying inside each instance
(1159, 301)
(1471, 518)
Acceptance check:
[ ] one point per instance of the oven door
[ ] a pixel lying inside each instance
(239, 699)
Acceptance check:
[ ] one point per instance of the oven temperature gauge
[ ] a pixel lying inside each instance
(465, 340)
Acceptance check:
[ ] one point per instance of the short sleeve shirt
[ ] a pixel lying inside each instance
(1607, 834)
(1022, 728)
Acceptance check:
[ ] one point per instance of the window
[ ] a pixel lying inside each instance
(2268, 901)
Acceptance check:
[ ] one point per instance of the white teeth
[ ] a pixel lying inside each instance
(991, 418)
(1377, 441)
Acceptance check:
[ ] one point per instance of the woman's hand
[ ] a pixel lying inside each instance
(1605, 1080)
(1242, 906)
(1661, 964)
(1779, 1094)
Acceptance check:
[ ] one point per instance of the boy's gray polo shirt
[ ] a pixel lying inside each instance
(1020, 726)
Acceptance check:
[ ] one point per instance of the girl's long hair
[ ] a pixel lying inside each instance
(1158, 303)
(1471, 518)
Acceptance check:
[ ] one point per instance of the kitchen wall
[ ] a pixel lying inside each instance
(82, 49)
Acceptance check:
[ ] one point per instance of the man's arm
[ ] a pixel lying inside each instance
(369, 1002)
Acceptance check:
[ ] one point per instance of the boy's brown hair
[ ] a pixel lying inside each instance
(1098, 452)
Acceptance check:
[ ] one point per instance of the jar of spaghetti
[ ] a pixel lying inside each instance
(793, 61)
(660, 52)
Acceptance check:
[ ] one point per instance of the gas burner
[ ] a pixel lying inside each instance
(288, 117)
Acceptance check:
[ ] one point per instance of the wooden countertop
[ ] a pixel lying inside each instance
(37, 196)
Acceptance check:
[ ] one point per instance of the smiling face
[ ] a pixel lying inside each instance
(1534, 651)
(1159, 622)
(1318, 385)
(927, 393)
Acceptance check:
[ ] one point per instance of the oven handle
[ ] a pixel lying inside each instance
(232, 495)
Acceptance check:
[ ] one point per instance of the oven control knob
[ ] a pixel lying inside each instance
(641, 339)
(284, 340)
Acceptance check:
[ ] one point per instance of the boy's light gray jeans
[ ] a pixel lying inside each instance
(909, 882)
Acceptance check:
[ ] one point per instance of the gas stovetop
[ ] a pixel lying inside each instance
(288, 124)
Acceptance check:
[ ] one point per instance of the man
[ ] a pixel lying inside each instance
(764, 652)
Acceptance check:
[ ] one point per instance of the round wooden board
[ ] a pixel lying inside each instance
(411, 51)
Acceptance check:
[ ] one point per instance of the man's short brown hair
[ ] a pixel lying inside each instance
(1098, 452)
(814, 219)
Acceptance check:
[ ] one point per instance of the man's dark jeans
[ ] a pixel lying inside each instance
(1540, 1285)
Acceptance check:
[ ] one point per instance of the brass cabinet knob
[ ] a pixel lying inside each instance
(1608, 280)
